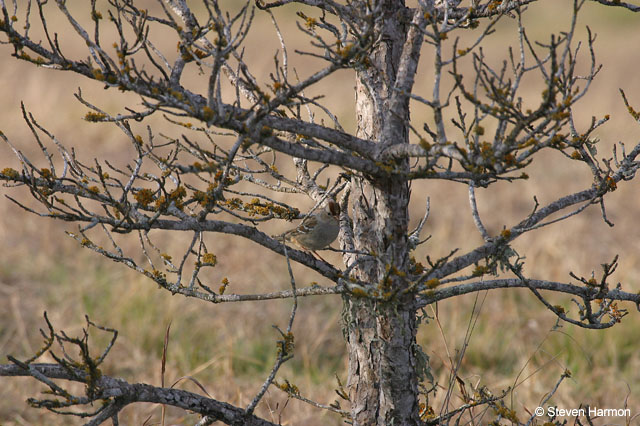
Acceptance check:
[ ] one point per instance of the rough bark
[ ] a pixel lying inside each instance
(381, 335)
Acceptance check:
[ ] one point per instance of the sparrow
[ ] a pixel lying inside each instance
(317, 231)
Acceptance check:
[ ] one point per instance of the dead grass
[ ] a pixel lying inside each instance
(229, 348)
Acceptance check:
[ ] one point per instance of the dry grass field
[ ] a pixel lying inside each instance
(230, 348)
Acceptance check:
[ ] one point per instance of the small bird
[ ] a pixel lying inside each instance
(317, 231)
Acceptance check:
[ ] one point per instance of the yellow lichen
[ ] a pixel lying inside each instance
(223, 287)
(432, 283)
(358, 292)
(209, 259)
(480, 270)
(207, 113)
(158, 275)
(310, 23)
(143, 196)
(97, 74)
(95, 117)
(10, 173)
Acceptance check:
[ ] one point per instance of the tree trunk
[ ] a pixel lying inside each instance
(383, 385)
(381, 330)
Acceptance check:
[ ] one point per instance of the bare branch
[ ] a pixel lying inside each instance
(126, 393)
(581, 291)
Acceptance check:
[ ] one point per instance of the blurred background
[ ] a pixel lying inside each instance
(230, 348)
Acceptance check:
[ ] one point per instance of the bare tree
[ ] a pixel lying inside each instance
(222, 174)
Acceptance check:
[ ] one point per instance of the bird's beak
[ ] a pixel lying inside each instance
(334, 209)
